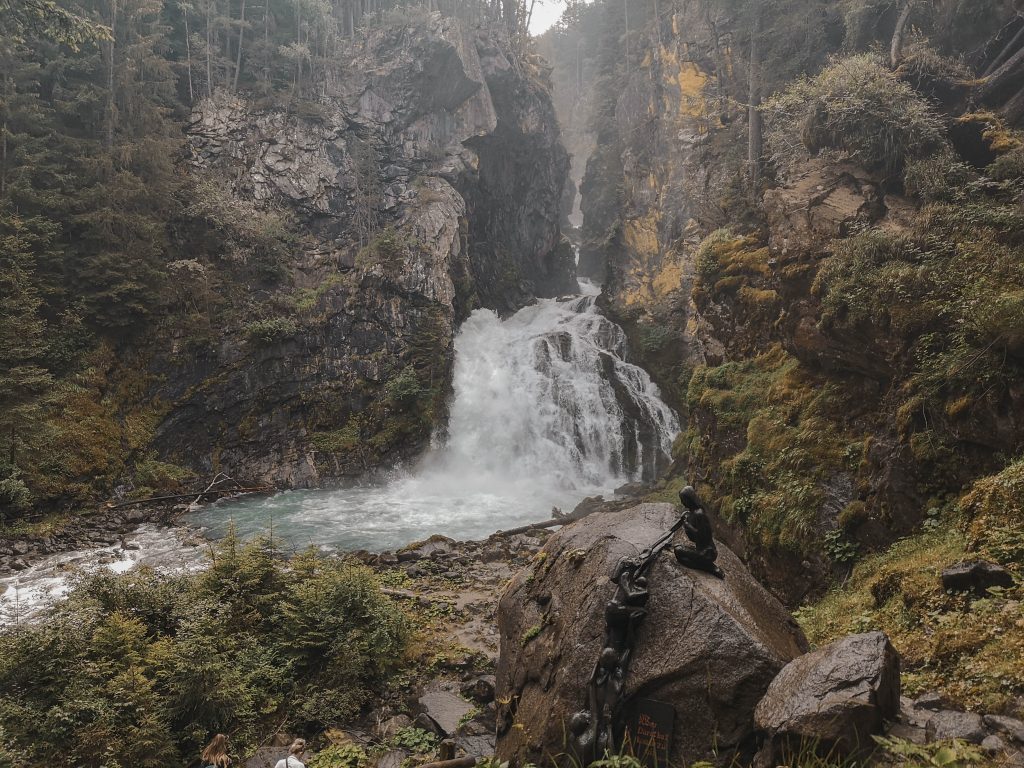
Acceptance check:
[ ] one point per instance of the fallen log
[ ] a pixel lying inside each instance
(193, 495)
(458, 762)
(545, 524)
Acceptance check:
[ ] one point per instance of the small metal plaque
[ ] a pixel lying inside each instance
(649, 728)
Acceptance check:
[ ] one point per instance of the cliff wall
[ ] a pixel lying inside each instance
(424, 183)
(819, 435)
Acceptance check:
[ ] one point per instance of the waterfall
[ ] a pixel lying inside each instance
(548, 394)
(546, 410)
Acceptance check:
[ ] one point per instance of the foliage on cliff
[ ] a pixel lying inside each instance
(849, 358)
(143, 669)
(856, 105)
(970, 650)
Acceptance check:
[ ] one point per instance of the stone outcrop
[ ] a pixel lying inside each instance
(708, 647)
(833, 698)
(425, 182)
(975, 576)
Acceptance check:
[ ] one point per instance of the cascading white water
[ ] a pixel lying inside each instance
(535, 397)
(545, 412)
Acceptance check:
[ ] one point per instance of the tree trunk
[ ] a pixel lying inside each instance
(657, 31)
(3, 142)
(209, 46)
(188, 55)
(298, 49)
(898, 35)
(111, 106)
(579, 71)
(1008, 50)
(241, 36)
(1013, 111)
(755, 128)
(1008, 74)
(266, 41)
(625, 16)
(226, 59)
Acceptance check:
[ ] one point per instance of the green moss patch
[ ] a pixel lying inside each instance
(785, 420)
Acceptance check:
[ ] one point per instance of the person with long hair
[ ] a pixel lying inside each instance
(215, 755)
(294, 753)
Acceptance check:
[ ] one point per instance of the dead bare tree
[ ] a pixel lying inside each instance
(900, 33)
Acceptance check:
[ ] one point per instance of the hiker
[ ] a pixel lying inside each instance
(294, 753)
(215, 755)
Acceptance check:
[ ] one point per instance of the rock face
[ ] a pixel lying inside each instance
(835, 697)
(424, 183)
(707, 647)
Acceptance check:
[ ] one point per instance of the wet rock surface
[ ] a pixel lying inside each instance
(929, 719)
(835, 697)
(710, 647)
(446, 708)
(947, 724)
(975, 576)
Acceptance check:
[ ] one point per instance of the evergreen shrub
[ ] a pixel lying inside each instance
(142, 669)
(858, 106)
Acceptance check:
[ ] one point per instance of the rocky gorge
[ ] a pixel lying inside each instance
(827, 296)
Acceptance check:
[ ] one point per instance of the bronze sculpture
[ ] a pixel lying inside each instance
(698, 530)
(598, 729)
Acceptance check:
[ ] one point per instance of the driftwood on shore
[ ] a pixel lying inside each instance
(229, 487)
(564, 520)
(458, 762)
(193, 495)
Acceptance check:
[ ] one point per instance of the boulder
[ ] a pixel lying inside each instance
(393, 758)
(708, 647)
(393, 725)
(432, 547)
(835, 697)
(994, 745)
(445, 708)
(1009, 726)
(949, 724)
(975, 576)
(480, 689)
(910, 724)
(931, 700)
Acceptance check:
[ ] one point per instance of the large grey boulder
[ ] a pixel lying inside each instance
(708, 647)
(835, 697)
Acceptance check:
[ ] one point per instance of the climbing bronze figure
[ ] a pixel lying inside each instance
(697, 526)
(599, 729)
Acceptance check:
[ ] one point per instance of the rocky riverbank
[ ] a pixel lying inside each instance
(29, 544)
(493, 618)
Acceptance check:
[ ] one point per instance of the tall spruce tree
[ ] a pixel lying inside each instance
(25, 384)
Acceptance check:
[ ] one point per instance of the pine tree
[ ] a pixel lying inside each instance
(25, 385)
